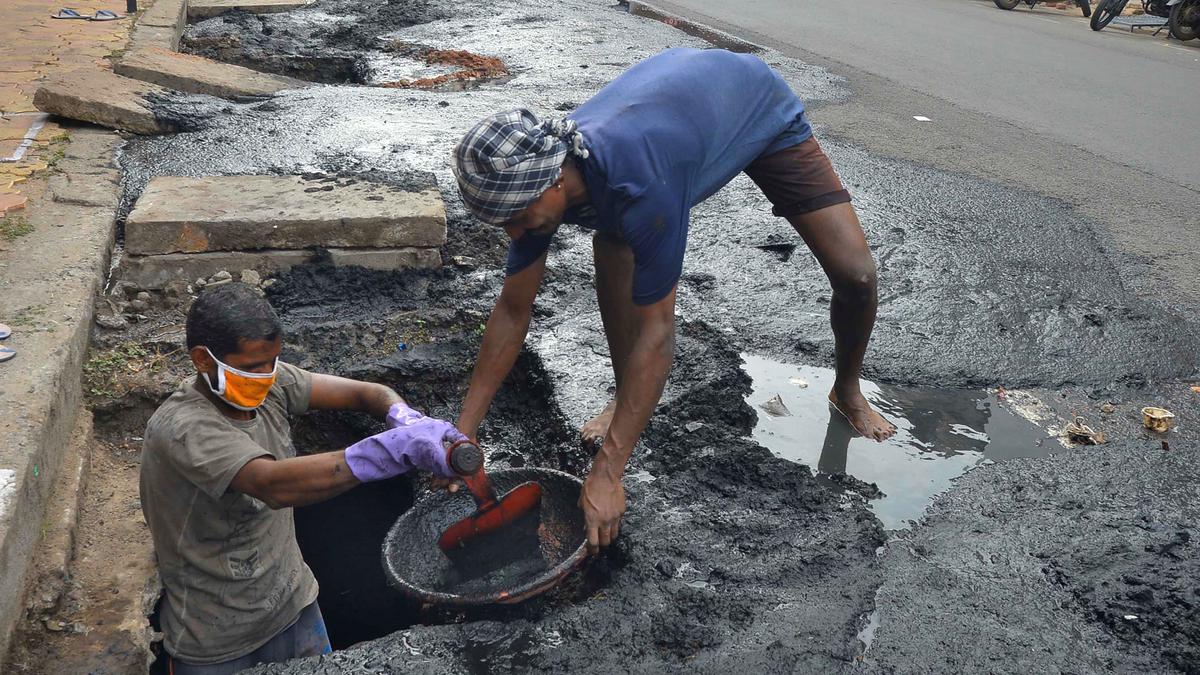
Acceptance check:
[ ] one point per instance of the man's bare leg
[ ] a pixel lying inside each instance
(614, 292)
(836, 238)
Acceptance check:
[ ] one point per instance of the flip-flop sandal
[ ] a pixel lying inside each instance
(68, 14)
(6, 354)
(5, 331)
(105, 15)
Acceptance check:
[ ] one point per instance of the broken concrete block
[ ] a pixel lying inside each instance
(159, 271)
(198, 75)
(100, 97)
(387, 258)
(198, 10)
(178, 214)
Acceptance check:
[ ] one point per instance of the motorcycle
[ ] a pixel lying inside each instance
(1107, 10)
(1184, 19)
(1084, 5)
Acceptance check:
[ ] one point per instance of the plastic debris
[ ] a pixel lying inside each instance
(775, 407)
(799, 382)
(1131, 617)
(1196, 389)
(1079, 432)
(1157, 419)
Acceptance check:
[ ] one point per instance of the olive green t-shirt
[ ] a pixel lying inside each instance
(230, 565)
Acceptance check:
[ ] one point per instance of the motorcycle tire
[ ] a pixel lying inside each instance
(1106, 11)
(1007, 4)
(1184, 22)
(1086, 7)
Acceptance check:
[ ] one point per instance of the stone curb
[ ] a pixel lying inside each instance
(717, 38)
(160, 26)
(49, 301)
(53, 554)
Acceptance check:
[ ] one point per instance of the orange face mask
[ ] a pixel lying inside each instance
(242, 390)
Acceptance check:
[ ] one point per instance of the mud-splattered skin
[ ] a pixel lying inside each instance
(731, 559)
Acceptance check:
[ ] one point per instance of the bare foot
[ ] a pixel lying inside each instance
(596, 428)
(862, 416)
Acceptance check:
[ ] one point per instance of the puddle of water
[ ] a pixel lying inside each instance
(940, 434)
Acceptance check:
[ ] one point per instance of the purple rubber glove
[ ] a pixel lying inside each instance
(400, 415)
(419, 445)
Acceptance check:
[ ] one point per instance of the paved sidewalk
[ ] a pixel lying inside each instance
(32, 45)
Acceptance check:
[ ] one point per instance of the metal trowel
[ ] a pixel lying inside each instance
(498, 523)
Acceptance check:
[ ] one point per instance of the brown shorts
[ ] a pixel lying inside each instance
(798, 179)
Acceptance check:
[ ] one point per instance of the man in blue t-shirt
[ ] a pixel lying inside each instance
(630, 163)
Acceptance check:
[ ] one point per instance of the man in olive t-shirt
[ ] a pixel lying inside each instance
(219, 475)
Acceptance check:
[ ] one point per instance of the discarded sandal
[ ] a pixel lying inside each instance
(66, 13)
(6, 353)
(5, 332)
(105, 15)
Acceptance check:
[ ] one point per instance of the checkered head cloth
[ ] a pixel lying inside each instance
(509, 159)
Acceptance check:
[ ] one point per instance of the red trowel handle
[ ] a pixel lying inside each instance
(464, 457)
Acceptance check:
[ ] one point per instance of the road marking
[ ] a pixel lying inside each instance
(921, 118)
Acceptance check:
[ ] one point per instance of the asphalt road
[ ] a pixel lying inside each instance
(1115, 94)
(1106, 122)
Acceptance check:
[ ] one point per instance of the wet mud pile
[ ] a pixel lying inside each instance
(726, 549)
(728, 553)
(1086, 561)
(327, 42)
(729, 557)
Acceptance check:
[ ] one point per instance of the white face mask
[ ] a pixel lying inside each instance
(242, 390)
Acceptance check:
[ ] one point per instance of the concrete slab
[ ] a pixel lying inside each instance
(156, 271)
(198, 75)
(198, 10)
(50, 283)
(177, 214)
(101, 97)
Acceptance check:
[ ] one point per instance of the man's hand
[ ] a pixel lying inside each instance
(603, 502)
(420, 445)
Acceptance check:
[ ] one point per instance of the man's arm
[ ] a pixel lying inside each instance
(603, 497)
(296, 481)
(299, 481)
(502, 341)
(330, 392)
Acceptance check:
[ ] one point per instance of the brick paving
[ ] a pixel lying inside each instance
(33, 45)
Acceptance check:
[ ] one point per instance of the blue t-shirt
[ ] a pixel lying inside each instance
(665, 136)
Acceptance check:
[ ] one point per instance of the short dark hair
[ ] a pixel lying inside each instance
(225, 315)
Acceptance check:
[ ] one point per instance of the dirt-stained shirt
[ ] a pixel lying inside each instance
(230, 565)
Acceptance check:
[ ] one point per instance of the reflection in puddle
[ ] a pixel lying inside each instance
(940, 434)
